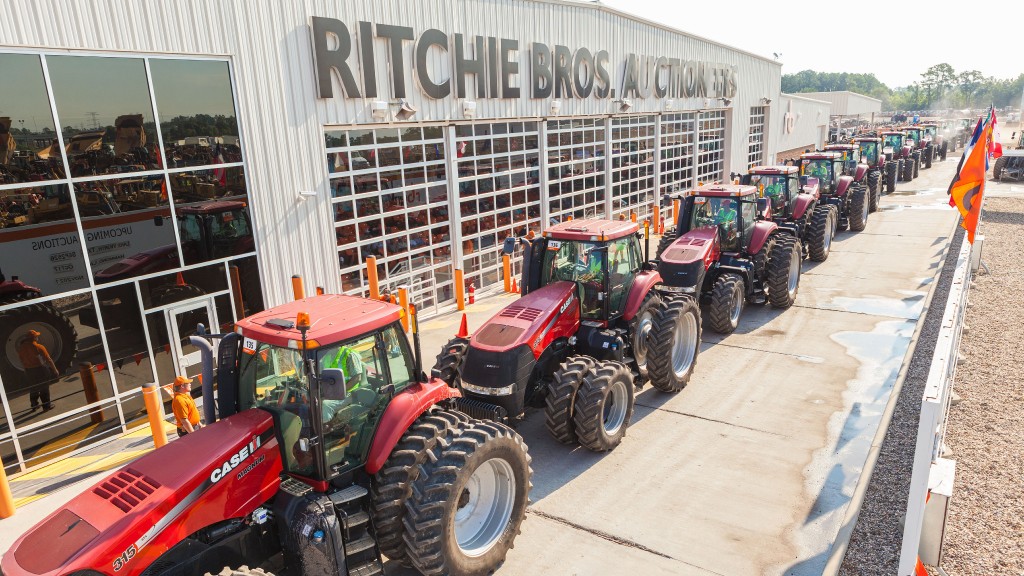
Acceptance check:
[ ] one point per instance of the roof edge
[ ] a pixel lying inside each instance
(787, 95)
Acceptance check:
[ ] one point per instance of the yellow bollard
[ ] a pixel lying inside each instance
(403, 301)
(298, 290)
(371, 277)
(155, 411)
(460, 289)
(6, 499)
(506, 266)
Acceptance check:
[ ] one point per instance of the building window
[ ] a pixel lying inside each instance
(121, 178)
(632, 157)
(677, 133)
(576, 168)
(389, 192)
(755, 138)
(710, 146)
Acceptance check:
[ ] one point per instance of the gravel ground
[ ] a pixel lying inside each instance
(985, 529)
(874, 547)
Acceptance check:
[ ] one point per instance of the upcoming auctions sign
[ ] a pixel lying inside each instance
(496, 63)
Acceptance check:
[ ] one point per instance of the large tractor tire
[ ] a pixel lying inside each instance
(859, 209)
(666, 240)
(874, 189)
(469, 502)
(640, 330)
(727, 298)
(891, 176)
(56, 333)
(391, 487)
(819, 233)
(997, 168)
(784, 271)
(674, 344)
(901, 170)
(450, 360)
(241, 571)
(929, 156)
(944, 150)
(908, 169)
(604, 405)
(561, 397)
(917, 164)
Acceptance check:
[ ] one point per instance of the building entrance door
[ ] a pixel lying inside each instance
(182, 321)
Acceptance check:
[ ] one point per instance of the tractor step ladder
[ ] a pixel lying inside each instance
(362, 556)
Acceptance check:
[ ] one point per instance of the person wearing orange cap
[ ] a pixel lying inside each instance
(40, 371)
(186, 415)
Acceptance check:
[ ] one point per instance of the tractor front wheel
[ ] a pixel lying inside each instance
(640, 330)
(450, 360)
(561, 397)
(944, 151)
(874, 189)
(674, 344)
(727, 298)
(469, 501)
(391, 487)
(784, 271)
(929, 155)
(858, 209)
(901, 170)
(997, 168)
(917, 165)
(891, 175)
(819, 234)
(604, 405)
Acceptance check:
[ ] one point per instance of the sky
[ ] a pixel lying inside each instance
(794, 28)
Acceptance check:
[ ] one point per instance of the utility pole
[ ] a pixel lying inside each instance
(95, 124)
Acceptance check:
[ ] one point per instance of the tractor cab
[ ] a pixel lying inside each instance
(827, 167)
(731, 210)
(892, 145)
(216, 229)
(915, 137)
(849, 154)
(779, 184)
(869, 150)
(930, 130)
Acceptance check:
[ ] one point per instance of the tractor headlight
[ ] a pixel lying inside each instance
(487, 391)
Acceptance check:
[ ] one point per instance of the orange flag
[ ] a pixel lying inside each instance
(967, 187)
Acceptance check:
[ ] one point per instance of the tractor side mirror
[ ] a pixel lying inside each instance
(509, 246)
(764, 208)
(331, 378)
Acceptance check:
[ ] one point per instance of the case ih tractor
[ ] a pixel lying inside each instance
(796, 207)
(725, 253)
(870, 150)
(332, 447)
(922, 144)
(849, 198)
(593, 323)
(896, 150)
(857, 167)
(940, 146)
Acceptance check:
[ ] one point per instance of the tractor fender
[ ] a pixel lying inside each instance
(844, 185)
(644, 283)
(746, 272)
(905, 152)
(762, 230)
(862, 170)
(801, 205)
(403, 410)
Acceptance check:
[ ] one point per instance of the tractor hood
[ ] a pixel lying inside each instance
(527, 319)
(684, 263)
(123, 523)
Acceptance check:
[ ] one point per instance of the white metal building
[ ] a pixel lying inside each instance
(162, 150)
(848, 104)
(802, 124)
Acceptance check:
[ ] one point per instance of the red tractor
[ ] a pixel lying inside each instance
(857, 167)
(592, 324)
(898, 151)
(940, 147)
(923, 152)
(56, 331)
(332, 448)
(849, 198)
(726, 252)
(880, 171)
(796, 207)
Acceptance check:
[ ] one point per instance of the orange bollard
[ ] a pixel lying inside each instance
(656, 217)
(675, 210)
(236, 290)
(460, 289)
(403, 301)
(320, 291)
(92, 395)
(568, 218)
(632, 217)
(298, 290)
(371, 277)
(6, 499)
(155, 411)
(506, 266)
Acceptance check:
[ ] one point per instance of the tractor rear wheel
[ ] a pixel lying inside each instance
(997, 168)
(674, 344)
(391, 487)
(450, 360)
(561, 398)
(604, 405)
(874, 189)
(727, 298)
(56, 333)
(784, 271)
(901, 170)
(858, 209)
(917, 164)
(640, 329)
(666, 240)
(929, 154)
(241, 571)
(819, 233)
(891, 175)
(469, 501)
(944, 150)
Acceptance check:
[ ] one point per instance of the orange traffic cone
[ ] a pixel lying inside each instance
(515, 287)
(179, 280)
(463, 328)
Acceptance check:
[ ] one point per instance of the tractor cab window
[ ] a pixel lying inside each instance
(720, 212)
(772, 186)
(579, 262)
(893, 141)
(819, 168)
(930, 130)
(793, 186)
(621, 272)
(869, 151)
(748, 216)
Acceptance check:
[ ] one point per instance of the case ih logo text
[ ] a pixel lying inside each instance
(235, 460)
(566, 304)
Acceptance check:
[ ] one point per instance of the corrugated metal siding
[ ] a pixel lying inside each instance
(282, 120)
(845, 103)
(811, 119)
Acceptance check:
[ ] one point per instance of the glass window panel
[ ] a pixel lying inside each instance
(60, 438)
(106, 114)
(246, 288)
(184, 285)
(360, 138)
(368, 206)
(433, 132)
(197, 113)
(342, 211)
(29, 151)
(387, 135)
(370, 229)
(9, 456)
(336, 138)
